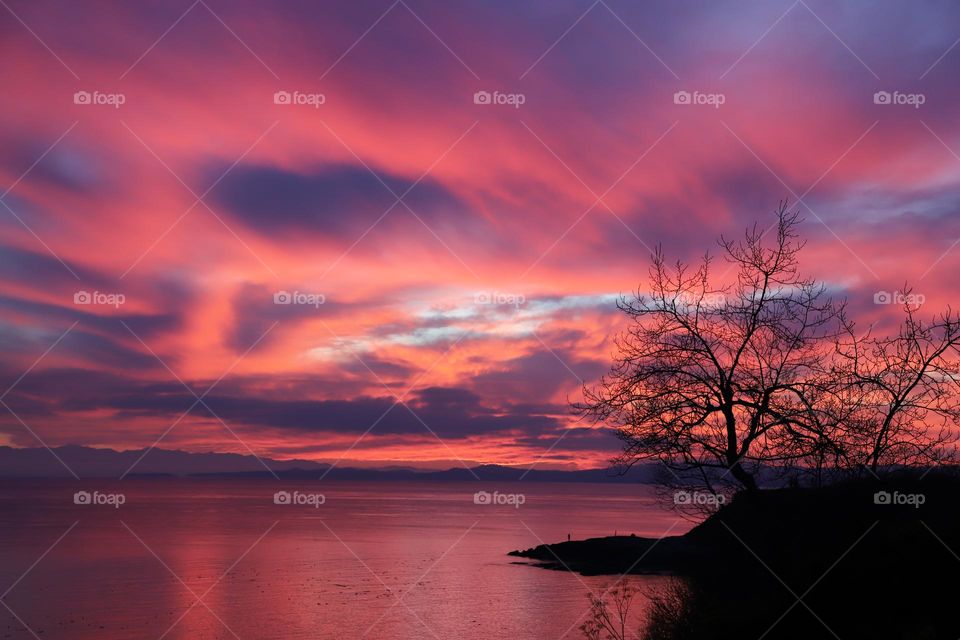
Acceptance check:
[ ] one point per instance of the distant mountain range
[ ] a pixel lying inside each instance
(89, 462)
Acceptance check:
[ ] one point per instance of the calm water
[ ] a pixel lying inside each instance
(375, 560)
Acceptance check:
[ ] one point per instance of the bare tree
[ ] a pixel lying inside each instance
(666, 613)
(712, 379)
(903, 391)
(608, 618)
(718, 381)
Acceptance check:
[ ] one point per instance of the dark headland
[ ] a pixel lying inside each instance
(853, 560)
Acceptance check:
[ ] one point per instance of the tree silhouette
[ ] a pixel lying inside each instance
(716, 381)
(903, 391)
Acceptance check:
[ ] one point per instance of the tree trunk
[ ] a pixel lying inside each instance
(743, 476)
(733, 458)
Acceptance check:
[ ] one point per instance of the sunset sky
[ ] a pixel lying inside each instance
(455, 259)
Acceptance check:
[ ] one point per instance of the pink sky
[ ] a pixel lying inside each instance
(467, 255)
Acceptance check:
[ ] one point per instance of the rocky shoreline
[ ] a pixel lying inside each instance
(617, 555)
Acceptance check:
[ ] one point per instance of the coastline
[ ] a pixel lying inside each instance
(798, 563)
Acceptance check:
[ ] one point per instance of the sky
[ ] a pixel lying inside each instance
(394, 232)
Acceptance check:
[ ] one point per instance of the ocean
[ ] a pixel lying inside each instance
(156, 558)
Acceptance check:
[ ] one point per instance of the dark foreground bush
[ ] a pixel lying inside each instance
(866, 560)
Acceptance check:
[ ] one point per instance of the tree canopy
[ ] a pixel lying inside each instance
(722, 377)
